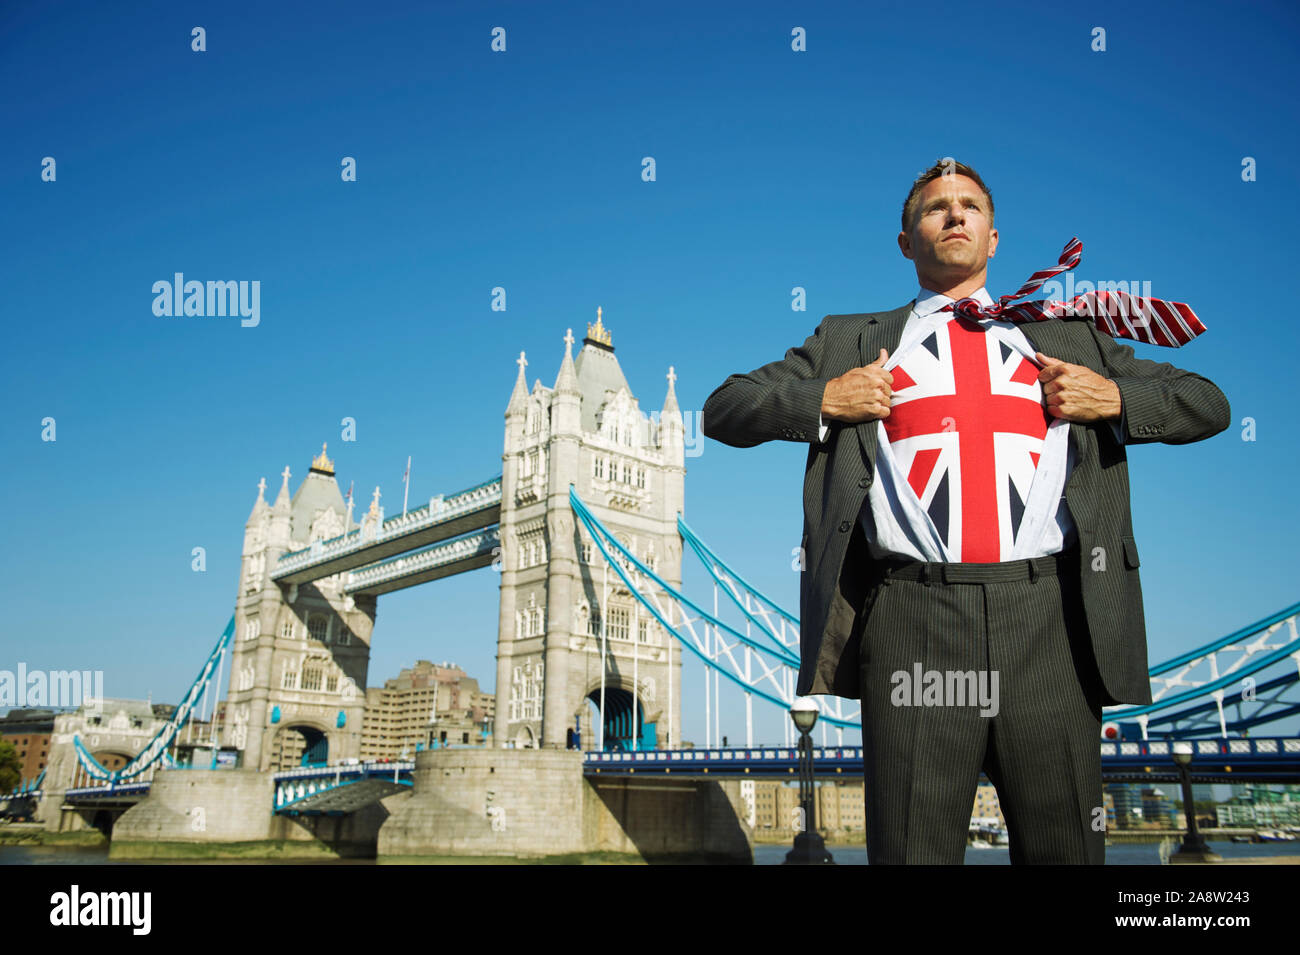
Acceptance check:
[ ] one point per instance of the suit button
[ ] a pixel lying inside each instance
(844, 526)
(865, 482)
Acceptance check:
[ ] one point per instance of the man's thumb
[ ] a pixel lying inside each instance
(881, 360)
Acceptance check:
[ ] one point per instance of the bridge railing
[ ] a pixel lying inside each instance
(445, 553)
(1263, 746)
(294, 785)
(437, 511)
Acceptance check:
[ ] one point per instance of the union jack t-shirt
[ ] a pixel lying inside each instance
(970, 466)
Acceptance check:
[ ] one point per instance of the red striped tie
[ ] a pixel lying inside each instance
(1117, 314)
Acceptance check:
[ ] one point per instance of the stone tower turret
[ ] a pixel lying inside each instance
(558, 600)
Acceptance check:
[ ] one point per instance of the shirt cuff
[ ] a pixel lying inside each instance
(1117, 428)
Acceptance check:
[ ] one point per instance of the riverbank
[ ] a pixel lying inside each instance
(35, 834)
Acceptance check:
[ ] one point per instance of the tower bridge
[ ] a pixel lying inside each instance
(311, 575)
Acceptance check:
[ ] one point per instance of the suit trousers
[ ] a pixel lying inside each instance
(980, 667)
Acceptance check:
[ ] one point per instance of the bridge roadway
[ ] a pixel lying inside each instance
(342, 789)
(475, 508)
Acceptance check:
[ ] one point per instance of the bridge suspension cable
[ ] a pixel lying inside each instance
(769, 673)
(162, 740)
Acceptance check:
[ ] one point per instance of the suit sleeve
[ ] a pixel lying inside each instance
(1162, 402)
(782, 400)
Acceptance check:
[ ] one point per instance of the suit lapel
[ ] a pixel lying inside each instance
(880, 330)
(1051, 339)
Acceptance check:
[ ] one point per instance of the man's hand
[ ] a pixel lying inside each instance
(860, 394)
(1077, 393)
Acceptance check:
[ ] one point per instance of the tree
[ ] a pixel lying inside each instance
(11, 768)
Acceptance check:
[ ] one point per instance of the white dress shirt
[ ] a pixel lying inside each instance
(893, 520)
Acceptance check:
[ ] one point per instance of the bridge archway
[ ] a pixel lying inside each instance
(524, 738)
(298, 744)
(103, 821)
(620, 731)
(111, 759)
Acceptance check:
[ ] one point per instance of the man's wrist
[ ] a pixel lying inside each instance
(1115, 412)
(825, 410)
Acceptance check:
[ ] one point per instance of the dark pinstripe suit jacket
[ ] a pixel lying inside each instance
(782, 400)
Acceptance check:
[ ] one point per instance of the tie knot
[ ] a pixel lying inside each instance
(966, 308)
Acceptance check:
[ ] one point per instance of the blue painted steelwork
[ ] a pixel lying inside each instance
(317, 748)
(1262, 758)
(294, 787)
(600, 535)
(154, 750)
(598, 530)
(1210, 706)
(1255, 665)
(712, 562)
(31, 787)
(113, 791)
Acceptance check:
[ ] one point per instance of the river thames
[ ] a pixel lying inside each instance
(1138, 854)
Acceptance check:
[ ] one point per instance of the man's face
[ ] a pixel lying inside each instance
(952, 237)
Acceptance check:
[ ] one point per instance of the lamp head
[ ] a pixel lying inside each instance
(804, 713)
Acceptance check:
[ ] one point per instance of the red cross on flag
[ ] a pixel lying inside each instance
(967, 428)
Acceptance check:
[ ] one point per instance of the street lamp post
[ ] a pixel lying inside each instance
(809, 847)
(1193, 849)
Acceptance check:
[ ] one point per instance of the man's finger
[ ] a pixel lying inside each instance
(880, 360)
(1053, 371)
(1047, 359)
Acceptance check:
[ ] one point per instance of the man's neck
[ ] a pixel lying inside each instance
(963, 289)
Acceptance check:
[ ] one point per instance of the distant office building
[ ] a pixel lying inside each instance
(1262, 807)
(1158, 810)
(840, 806)
(429, 704)
(987, 806)
(1127, 801)
(775, 803)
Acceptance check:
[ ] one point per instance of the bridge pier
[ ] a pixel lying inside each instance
(201, 813)
(532, 804)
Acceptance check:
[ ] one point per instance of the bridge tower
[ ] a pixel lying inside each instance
(557, 596)
(300, 652)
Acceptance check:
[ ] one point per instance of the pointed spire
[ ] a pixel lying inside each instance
(567, 380)
(520, 393)
(671, 429)
(670, 402)
(282, 499)
(260, 507)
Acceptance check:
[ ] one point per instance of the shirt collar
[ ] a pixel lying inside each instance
(928, 302)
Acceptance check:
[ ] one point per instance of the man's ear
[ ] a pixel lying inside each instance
(993, 242)
(905, 244)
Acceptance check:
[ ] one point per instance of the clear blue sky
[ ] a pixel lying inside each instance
(522, 170)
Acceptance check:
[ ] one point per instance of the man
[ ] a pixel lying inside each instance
(971, 573)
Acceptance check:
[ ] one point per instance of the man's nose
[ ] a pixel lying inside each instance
(957, 212)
